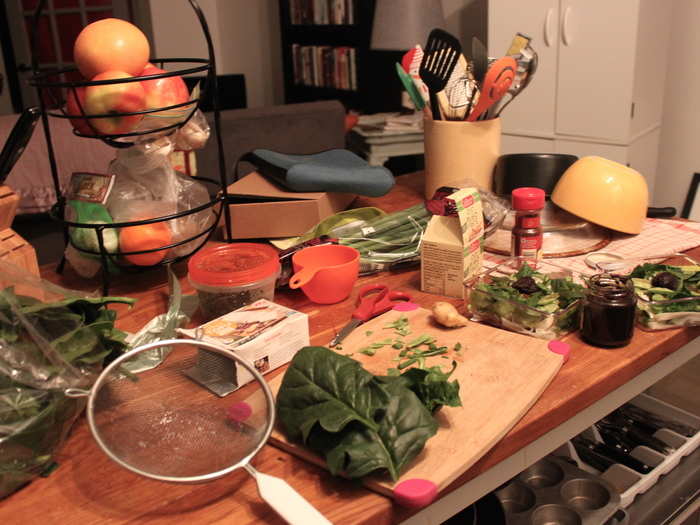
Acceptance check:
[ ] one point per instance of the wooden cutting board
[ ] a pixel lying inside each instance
(501, 375)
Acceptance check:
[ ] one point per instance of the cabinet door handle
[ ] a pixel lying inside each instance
(548, 27)
(565, 37)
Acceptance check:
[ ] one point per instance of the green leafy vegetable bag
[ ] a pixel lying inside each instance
(51, 339)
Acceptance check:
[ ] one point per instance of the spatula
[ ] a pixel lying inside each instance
(480, 59)
(496, 83)
(440, 56)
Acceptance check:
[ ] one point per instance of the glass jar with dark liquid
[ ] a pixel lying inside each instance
(609, 304)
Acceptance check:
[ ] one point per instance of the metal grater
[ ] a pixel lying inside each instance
(215, 372)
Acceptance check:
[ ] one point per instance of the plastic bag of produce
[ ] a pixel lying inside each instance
(146, 186)
(51, 339)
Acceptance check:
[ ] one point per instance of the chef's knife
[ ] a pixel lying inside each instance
(17, 141)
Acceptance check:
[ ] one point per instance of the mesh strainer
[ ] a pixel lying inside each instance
(164, 425)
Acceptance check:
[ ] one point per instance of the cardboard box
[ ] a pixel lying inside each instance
(261, 209)
(264, 333)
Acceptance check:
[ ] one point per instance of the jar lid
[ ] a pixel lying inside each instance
(528, 198)
(233, 264)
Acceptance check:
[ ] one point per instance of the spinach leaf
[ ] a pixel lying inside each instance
(357, 421)
(431, 385)
(403, 430)
(325, 388)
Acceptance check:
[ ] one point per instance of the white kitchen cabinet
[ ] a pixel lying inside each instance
(601, 75)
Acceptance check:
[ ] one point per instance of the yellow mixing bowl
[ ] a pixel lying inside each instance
(604, 192)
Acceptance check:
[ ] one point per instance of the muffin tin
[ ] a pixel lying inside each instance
(554, 490)
(629, 483)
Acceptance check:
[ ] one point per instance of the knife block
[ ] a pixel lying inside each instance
(9, 201)
(13, 248)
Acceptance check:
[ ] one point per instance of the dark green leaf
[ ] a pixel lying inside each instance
(325, 388)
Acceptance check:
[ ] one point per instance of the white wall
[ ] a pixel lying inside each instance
(245, 36)
(466, 18)
(679, 155)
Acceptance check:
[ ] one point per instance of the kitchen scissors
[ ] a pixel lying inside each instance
(373, 300)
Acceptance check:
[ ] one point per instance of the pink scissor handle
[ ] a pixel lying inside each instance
(372, 304)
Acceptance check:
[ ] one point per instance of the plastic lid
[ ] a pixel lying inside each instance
(233, 264)
(528, 198)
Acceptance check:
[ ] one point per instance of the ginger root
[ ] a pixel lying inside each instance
(447, 315)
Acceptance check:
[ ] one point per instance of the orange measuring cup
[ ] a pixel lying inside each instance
(326, 273)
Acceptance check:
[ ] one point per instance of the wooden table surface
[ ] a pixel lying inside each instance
(88, 488)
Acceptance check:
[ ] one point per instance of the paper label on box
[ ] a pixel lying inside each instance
(442, 270)
(265, 334)
(90, 187)
(469, 208)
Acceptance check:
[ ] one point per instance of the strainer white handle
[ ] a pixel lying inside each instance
(286, 501)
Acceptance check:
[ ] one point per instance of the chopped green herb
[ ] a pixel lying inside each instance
(368, 333)
(400, 326)
(368, 350)
(424, 339)
(457, 347)
(398, 345)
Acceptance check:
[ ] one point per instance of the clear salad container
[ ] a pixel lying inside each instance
(668, 295)
(535, 298)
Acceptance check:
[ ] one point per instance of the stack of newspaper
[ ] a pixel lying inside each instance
(392, 123)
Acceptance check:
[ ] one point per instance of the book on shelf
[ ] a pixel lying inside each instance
(325, 66)
(321, 12)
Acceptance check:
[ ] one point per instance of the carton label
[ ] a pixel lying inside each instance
(442, 270)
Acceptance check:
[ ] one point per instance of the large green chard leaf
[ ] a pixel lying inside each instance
(340, 410)
(332, 390)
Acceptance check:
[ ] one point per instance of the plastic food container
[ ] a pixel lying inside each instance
(228, 276)
(657, 309)
(487, 304)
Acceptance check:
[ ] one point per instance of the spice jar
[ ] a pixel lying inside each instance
(526, 236)
(229, 276)
(609, 304)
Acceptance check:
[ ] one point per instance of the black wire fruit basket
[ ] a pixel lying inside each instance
(53, 89)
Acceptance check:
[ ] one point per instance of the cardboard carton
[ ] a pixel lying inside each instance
(264, 333)
(261, 209)
(451, 249)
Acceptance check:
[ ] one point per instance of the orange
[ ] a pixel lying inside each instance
(145, 237)
(111, 44)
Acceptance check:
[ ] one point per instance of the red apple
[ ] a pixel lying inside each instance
(124, 97)
(163, 92)
(73, 108)
(110, 44)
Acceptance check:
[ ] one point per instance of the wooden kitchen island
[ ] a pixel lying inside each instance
(88, 488)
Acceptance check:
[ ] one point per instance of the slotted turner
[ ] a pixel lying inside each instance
(440, 56)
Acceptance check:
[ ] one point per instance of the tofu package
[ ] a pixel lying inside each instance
(264, 333)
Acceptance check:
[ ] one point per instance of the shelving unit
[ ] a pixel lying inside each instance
(52, 87)
(324, 57)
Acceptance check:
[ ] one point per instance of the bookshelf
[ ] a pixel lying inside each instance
(325, 51)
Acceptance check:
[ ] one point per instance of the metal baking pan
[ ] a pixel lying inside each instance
(556, 491)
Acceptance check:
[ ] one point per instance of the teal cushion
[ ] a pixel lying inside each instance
(336, 170)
